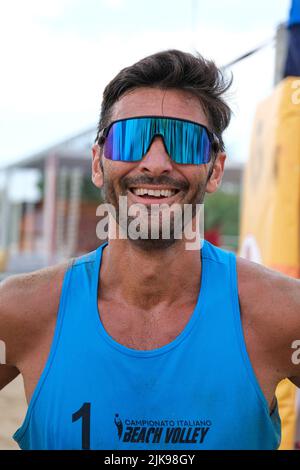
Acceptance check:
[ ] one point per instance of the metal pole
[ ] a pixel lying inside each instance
(61, 211)
(280, 52)
(49, 208)
(29, 226)
(15, 227)
(74, 211)
(5, 220)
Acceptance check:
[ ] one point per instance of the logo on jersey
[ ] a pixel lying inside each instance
(119, 425)
(155, 431)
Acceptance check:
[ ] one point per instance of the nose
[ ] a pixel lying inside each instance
(156, 161)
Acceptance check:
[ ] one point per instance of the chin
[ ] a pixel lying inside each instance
(152, 244)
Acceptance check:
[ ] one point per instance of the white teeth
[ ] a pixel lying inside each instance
(153, 192)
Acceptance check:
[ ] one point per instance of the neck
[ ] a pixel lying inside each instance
(147, 279)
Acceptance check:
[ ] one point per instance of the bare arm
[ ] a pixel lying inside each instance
(271, 305)
(8, 372)
(28, 308)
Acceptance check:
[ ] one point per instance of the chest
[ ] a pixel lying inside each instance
(135, 330)
(144, 330)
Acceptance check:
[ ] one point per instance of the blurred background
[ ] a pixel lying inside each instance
(56, 58)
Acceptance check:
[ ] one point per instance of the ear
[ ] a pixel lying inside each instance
(97, 171)
(217, 173)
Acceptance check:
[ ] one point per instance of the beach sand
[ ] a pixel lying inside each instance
(12, 412)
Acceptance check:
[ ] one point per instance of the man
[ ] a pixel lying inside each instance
(145, 344)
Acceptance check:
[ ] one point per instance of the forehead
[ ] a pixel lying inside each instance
(158, 102)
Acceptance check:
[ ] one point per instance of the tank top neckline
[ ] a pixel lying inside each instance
(190, 325)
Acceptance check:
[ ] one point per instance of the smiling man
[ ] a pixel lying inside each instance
(144, 344)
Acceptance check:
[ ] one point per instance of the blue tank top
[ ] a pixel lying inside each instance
(197, 392)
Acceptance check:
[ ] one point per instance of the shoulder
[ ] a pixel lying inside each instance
(270, 308)
(34, 289)
(262, 287)
(27, 303)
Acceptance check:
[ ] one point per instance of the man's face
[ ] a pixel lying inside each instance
(156, 170)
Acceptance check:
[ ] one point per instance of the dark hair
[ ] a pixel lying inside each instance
(178, 70)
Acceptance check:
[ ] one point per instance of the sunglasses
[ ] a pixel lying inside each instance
(186, 142)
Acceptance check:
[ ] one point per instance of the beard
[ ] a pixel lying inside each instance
(152, 220)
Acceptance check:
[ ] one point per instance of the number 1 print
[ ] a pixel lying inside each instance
(85, 413)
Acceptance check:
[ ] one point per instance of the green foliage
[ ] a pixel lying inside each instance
(89, 192)
(222, 210)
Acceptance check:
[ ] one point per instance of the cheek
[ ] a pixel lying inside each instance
(195, 175)
(117, 168)
(114, 172)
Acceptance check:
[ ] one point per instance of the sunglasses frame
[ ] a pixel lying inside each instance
(214, 140)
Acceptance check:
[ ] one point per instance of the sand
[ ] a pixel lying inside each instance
(12, 412)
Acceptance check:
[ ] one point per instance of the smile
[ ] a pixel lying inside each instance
(154, 192)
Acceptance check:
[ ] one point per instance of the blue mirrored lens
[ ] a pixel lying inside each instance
(186, 142)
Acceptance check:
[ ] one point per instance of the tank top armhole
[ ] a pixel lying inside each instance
(240, 333)
(19, 434)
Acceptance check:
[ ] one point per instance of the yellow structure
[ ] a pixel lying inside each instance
(270, 210)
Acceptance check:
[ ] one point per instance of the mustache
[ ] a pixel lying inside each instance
(159, 180)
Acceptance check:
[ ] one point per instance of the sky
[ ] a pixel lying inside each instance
(58, 55)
